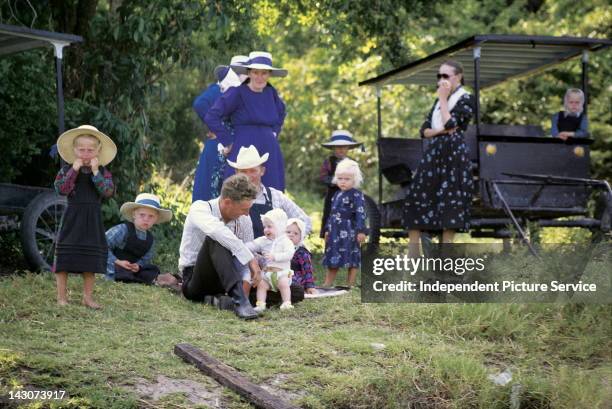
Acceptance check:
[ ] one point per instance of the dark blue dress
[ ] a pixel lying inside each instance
(347, 218)
(209, 171)
(440, 195)
(257, 119)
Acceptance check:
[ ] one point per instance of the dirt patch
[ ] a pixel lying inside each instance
(274, 386)
(196, 392)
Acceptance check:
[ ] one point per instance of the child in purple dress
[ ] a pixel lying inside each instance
(81, 247)
(345, 229)
(340, 143)
(301, 263)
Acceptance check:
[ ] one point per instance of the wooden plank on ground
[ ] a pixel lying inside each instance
(231, 378)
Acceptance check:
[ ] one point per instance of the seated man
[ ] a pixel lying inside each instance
(250, 164)
(131, 244)
(213, 255)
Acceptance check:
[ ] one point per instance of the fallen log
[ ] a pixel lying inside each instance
(230, 378)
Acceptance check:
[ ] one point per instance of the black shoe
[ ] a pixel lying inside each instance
(224, 302)
(221, 301)
(246, 312)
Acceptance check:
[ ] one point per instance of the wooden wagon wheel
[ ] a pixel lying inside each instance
(40, 229)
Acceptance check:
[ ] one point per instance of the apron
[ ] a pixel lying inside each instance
(258, 210)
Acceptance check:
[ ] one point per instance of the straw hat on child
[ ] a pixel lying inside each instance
(145, 200)
(341, 137)
(65, 144)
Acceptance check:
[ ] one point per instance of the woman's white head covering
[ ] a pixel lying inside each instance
(231, 79)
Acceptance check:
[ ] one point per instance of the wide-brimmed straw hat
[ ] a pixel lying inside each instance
(248, 158)
(221, 70)
(341, 137)
(145, 200)
(260, 60)
(65, 144)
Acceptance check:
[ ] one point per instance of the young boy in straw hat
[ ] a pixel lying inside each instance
(340, 143)
(81, 247)
(131, 244)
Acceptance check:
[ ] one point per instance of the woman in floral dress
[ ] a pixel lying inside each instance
(440, 195)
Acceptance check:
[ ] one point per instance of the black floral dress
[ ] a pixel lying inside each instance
(440, 195)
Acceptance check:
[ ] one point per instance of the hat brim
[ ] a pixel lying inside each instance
(218, 70)
(347, 144)
(263, 159)
(65, 145)
(127, 211)
(274, 72)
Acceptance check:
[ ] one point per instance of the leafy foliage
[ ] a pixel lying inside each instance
(143, 62)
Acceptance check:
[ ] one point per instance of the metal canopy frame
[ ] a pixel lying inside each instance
(489, 60)
(502, 57)
(15, 39)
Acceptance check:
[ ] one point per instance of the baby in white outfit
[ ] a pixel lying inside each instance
(277, 250)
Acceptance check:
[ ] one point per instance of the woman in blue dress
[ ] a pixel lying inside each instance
(440, 196)
(345, 229)
(257, 114)
(210, 168)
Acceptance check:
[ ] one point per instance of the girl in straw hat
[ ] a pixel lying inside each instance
(81, 246)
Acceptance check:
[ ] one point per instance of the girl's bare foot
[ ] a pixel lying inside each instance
(91, 304)
(62, 303)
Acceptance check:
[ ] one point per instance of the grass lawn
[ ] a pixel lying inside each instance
(326, 353)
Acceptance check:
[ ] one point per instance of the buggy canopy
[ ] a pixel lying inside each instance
(14, 39)
(501, 57)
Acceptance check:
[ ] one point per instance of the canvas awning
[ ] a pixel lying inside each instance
(501, 57)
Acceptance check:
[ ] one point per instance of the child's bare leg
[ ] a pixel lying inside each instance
(414, 245)
(283, 287)
(88, 284)
(330, 277)
(61, 280)
(246, 286)
(448, 236)
(352, 275)
(262, 293)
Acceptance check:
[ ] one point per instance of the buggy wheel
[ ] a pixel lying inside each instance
(373, 223)
(40, 226)
(603, 212)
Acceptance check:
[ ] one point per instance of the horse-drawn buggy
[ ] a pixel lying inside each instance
(522, 175)
(35, 210)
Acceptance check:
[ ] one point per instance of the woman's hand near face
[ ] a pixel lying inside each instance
(444, 90)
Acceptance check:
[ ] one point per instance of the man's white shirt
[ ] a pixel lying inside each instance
(203, 220)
